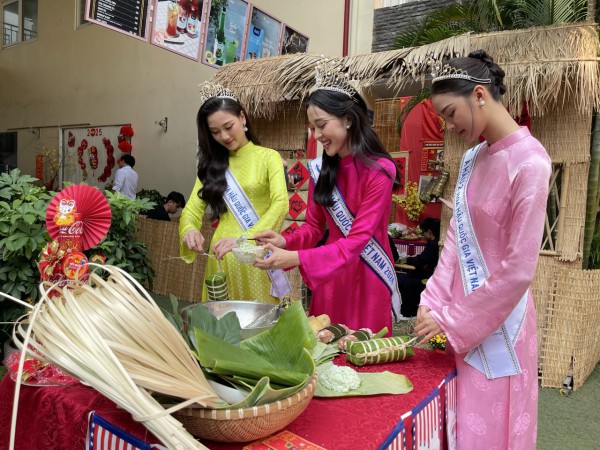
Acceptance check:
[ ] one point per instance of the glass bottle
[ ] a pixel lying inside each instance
(182, 19)
(193, 22)
(220, 38)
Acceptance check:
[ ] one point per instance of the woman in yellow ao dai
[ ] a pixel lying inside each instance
(226, 140)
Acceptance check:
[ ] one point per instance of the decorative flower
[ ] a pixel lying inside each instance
(50, 259)
(410, 203)
(438, 341)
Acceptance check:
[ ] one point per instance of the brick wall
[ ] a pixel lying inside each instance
(389, 21)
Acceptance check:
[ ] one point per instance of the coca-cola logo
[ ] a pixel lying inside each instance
(75, 228)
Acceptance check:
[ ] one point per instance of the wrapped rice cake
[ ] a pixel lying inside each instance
(332, 332)
(375, 351)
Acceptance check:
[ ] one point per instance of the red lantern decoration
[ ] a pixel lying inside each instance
(126, 130)
(125, 146)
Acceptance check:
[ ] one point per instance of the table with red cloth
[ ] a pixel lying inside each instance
(55, 417)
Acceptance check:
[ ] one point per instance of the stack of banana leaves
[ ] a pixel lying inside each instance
(262, 369)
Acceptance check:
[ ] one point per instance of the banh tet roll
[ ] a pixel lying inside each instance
(362, 334)
(375, 351)
(332, 332)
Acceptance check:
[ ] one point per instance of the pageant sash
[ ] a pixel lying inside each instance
(495, 356)
(242, 209)
(373, 254)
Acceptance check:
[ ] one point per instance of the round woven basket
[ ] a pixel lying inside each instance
(245, 424)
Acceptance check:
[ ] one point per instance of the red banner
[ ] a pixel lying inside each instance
(39, 167)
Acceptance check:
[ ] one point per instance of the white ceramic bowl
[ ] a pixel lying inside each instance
(248, 254)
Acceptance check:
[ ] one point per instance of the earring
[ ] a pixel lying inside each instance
(348, 126)
(481, 102)
(245, 128)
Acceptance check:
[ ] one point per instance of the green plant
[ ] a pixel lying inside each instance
(153, 195)
(121, 246)
(22, 236)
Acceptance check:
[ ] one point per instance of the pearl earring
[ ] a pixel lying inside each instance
(245, 128)
(481, 102)
(348, 127)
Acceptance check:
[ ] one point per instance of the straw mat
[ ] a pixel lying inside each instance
(172, 275)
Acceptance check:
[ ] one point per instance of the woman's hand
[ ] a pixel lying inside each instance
(426, 326)
(279, 259)
(194, 240)
(222, 246)
(270, 237)
(421, 313)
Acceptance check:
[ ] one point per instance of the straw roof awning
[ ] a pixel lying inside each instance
(540, 64)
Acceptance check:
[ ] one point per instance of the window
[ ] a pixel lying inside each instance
(81, 13)
(19, 21)
(8, 151)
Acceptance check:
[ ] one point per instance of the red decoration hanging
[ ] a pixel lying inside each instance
(125, 146)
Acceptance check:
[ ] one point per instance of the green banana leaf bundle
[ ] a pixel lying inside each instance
(270, 366)
(375, 351)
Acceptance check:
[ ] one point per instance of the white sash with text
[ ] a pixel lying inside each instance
(373, 254)
(242, 209)
(495, 356)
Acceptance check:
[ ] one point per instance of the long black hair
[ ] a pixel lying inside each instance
(213, 158)
(478, 65)
(365, 145)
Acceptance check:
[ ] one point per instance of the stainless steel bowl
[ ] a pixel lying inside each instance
(246, 311)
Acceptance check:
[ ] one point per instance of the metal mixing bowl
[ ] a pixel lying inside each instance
(247, 312)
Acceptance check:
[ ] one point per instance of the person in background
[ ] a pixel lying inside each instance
(173, 203)
(245, 187)
(351, 275)
(411, 284)
(479, 294)
(126, 178)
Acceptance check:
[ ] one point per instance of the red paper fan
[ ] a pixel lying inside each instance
(94, 210)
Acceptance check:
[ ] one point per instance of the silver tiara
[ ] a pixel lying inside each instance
(449, 72)
(209, 90)
(329, 77)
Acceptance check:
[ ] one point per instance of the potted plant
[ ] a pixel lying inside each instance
(22, 236)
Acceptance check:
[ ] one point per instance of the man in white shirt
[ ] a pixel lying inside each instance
(126, 178)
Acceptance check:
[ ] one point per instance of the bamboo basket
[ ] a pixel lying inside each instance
(245, 424)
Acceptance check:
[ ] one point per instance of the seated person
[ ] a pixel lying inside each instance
(411, 284)
(174, 202)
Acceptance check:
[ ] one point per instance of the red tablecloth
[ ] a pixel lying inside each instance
(56, 417)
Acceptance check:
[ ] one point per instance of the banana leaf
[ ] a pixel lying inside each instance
(371, 384)
(273, 364)
(284, 344)
(321, 352)
(227, 328)
(218, 357)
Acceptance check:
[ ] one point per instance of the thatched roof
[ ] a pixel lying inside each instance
(540, 64)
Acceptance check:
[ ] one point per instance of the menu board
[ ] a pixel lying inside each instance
(263, 35)
(293, 42)
(225, 32)
(177, 26)
(126, 16)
